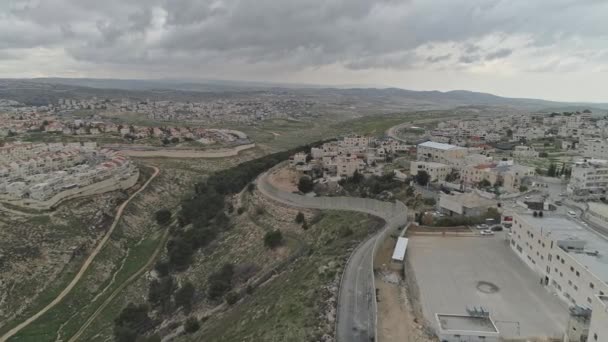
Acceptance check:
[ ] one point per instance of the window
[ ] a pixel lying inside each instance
(578, 274)
(571, 269)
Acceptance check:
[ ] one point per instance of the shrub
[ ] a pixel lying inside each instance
(305, 184)
(429, 201)
(273, 239)
(132, 321)
(299, 217)
(220, 282)
(191, 325)
(184, 296)
(240, 210)
(163, 216)
(305, 225)
(523, 188)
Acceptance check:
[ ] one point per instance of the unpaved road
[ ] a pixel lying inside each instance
(85, 266)
(122, 286)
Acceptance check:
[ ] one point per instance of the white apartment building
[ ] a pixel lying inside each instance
(436, 171)
(598, 329)
(594, 148)
(439, 152)
(570, 260)
(589, 179)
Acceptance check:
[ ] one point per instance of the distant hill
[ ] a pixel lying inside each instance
(34, 91)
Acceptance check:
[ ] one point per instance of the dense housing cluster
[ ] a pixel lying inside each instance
(40, 171)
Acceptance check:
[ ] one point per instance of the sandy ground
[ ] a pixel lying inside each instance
(284, 179)
(396, 319)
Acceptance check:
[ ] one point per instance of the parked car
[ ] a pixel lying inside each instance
(487, 232)
(572, 213)
(497, 228)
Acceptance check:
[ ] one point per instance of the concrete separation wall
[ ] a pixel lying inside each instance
(147, 152)
(394, 214)
(106, 185)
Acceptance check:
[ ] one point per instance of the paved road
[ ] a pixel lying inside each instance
(392, 132)
(356, 315)
(83, 268)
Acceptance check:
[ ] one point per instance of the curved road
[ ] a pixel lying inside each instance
(83, 268)
(392, 132)
(356, 314)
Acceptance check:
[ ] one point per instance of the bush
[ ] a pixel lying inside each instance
(163, 216)
(305, 225)
(162, 268)
(159, 291)
(523, 188)
(429, 201)
(299, 218)
(240, 210)
(132, 321)
(231, 298)
(422, 178)
(220, 282)
(191, 325)
(305, 184)
(273, 239)
(184, 296)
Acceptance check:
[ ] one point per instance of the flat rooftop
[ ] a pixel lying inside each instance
(466, 323)
(562, 228)
(440, 146)
(400, 248)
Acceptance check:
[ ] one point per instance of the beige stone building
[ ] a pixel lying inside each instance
(436, 171)
(439, 152)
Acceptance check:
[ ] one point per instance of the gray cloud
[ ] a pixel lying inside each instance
(178, 36)
(502, 53)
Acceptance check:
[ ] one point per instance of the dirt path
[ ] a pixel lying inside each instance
(85, 266)
(122, 286)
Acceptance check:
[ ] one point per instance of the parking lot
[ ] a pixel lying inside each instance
(455, 272)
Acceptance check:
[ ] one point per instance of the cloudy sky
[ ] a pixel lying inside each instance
(552, 49)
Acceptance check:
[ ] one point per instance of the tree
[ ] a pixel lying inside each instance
(356, 178)
(422, 178)
(305, 225)
(299, 217)
(184, 295)
(523, 188)
(484, 183)
(305, 184)
(159, 292)
(452, 177)
(220, 282)
(132, 321)
(273, 239)
(191, 325)
(551, 171)
(163, 216)
(543, 154)
(509, 133)
(162, 267)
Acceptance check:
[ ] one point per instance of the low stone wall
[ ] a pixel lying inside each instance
(107, 185)
(178, 153)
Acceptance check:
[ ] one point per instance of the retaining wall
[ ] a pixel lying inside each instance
(106, 185)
